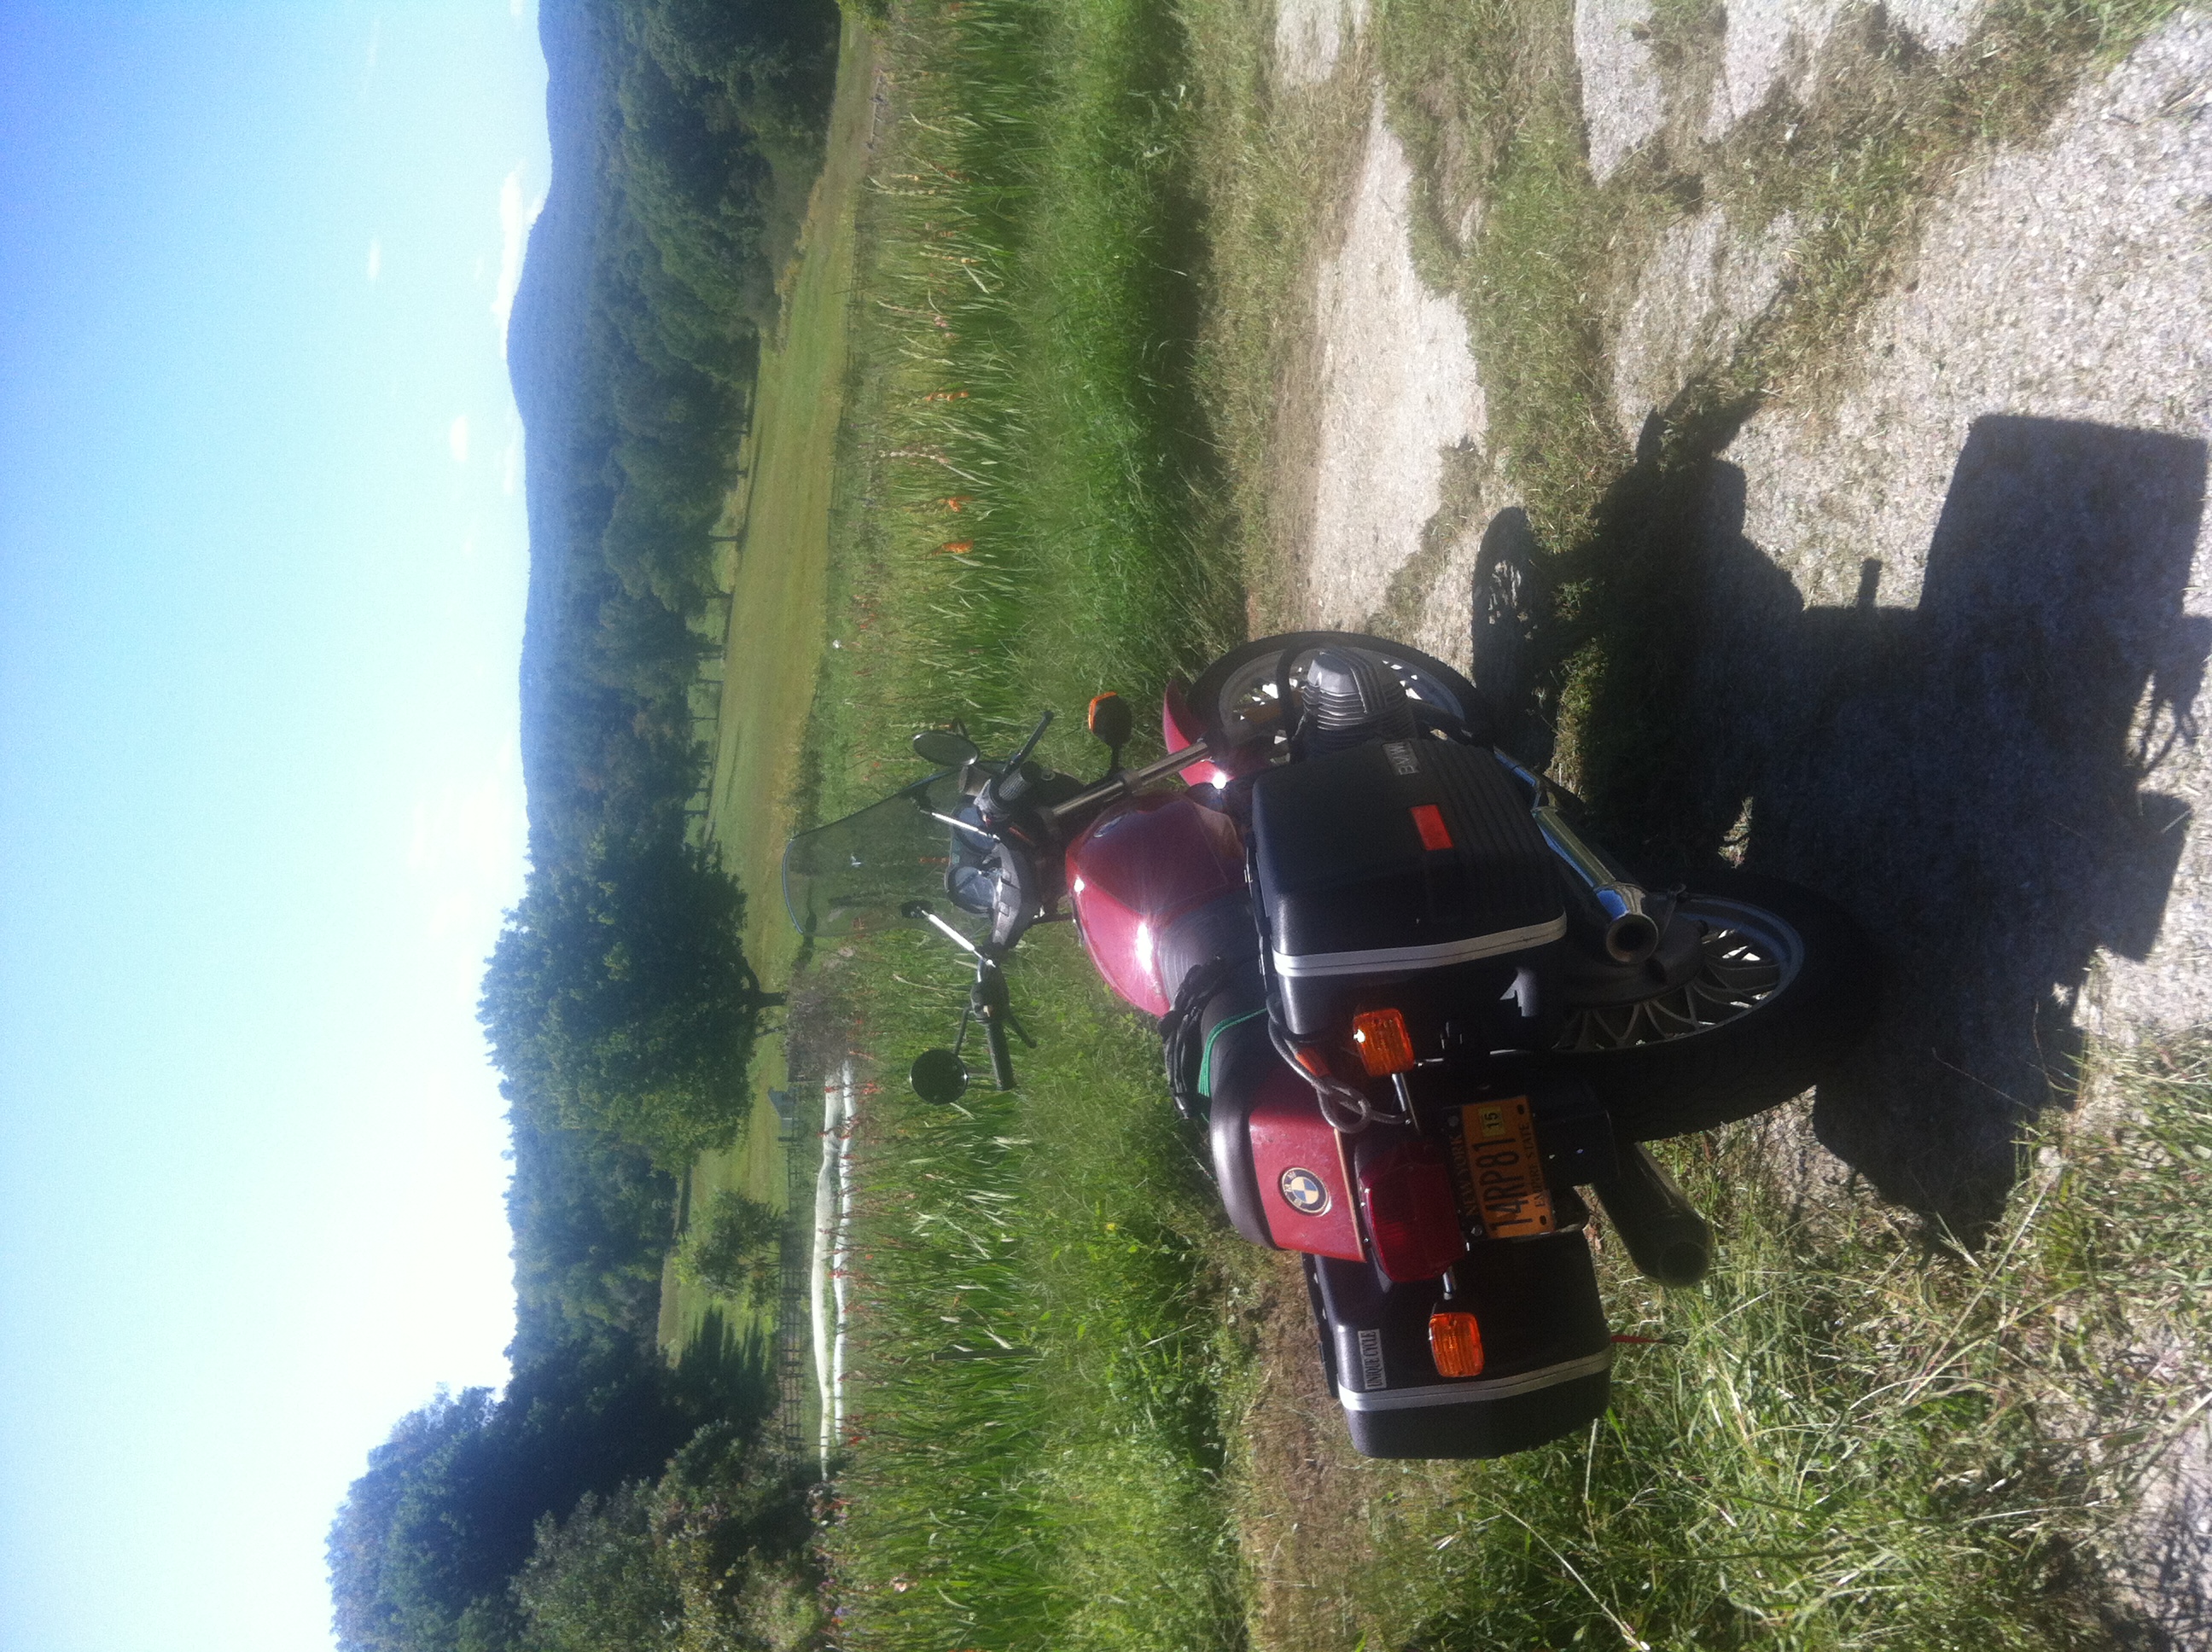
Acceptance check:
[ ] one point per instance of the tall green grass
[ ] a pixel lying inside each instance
(1032, 1456)
(1035, 1454)
(1034, 523)
(1855, 1433)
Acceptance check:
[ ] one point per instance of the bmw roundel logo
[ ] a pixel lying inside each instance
(1304, 1192)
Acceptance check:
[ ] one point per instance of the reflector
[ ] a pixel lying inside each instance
(1406, 1198)
(1429, 821)
(1384, 1044)
(1455, 1343)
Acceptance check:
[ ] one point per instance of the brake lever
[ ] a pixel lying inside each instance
(960, 825)
(920, 909)
(1030, 745)
(994, 794)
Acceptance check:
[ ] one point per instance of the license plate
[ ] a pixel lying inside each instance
(1500, 1176)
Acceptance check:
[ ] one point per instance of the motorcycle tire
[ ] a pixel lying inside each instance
(1711, 1052)
(1239, 679)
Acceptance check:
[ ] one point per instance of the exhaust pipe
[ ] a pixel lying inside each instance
(1631, 933)
(1667, 1240)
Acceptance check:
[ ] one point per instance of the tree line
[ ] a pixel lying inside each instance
(605, 1500)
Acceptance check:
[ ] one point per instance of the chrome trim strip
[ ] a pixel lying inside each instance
(1383, 960)
(1448, 1394)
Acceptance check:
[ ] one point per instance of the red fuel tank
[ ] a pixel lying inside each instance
(1136, 871)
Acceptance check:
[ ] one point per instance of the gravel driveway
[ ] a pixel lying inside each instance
(1948, 604)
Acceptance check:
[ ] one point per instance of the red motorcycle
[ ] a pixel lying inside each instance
(1416, 1011)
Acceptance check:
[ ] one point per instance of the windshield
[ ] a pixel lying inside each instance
(856, 874)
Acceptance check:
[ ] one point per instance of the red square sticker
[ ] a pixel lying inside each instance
(1430, 821)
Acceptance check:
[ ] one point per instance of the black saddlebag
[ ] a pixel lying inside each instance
(1548, 1370)
(1406, 861)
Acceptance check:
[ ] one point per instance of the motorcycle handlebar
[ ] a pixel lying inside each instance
(1002, 1061)
(1120, 785)
(987, 1002)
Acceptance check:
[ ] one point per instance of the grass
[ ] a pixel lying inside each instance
(1023, 520)
(1852, 1435)
(777, 577)
(1035, 1458)
(1034, 524)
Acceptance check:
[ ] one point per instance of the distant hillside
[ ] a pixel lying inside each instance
(545, 336)
(685, 138)
(685, 134)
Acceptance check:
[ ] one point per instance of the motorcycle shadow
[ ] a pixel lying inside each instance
(1976, 776)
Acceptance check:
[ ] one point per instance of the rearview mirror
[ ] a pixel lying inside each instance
(938, 1076)
(943, 748)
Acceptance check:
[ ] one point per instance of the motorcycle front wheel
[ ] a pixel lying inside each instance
(1241, 697)
(1785, 984)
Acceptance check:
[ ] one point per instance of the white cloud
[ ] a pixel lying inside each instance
(375, 257)
(514, 222)
(456, 439)
(510, 467)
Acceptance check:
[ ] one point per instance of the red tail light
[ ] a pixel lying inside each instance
(1406, 1195)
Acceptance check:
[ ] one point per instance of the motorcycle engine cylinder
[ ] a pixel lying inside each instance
(1352, 696)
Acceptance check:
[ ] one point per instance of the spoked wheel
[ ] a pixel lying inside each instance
(1746, 956)
(1512, 604)
(1508, 601)
(1784, 985)
(1243, 695)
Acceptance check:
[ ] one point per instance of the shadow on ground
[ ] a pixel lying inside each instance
(728, 1370)
(1967, 776)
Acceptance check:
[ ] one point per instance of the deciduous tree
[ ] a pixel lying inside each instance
(620, 994)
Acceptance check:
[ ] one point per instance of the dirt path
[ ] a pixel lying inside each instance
(1395, 394)
(1954, 598)
(2005, 496)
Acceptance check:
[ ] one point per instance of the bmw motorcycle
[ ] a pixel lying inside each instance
(1419, 1016)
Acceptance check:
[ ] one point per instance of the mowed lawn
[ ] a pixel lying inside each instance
(775, 571)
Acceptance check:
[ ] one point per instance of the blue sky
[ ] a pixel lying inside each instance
(262, 565)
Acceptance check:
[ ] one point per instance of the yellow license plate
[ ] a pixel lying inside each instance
(1501, 1178)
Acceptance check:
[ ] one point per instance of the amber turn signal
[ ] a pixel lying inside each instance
(1110, 720)
(1455, 1343)
(1384, 1044)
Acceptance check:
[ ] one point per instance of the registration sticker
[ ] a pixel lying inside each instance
(1498, 1169)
